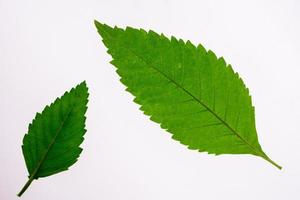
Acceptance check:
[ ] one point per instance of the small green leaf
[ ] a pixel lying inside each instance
(52, 142)
(190, 92)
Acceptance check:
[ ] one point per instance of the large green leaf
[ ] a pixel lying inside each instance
(52, 142)
(188, 90)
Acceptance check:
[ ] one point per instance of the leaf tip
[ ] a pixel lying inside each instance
(101, 27)
(97, 24)
(83, 84)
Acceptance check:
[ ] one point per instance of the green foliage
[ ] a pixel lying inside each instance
(190, 92)
(52, 142)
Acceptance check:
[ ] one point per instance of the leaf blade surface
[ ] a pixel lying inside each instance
(186, 89)
(54, 136)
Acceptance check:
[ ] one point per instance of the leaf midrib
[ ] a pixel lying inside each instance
(257, 151)
(32, 176)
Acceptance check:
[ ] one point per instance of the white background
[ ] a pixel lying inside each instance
(47, 47)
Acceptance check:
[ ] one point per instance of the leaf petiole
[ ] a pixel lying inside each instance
(265, 157)
(26, 186)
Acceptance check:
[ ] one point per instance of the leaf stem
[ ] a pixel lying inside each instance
(26, 186)
(265, 157)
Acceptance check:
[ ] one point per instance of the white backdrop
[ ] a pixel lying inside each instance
(47, 47)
